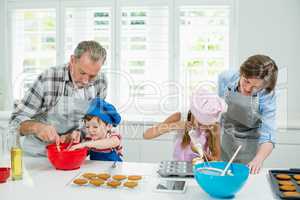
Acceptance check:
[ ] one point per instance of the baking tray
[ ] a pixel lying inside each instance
(175, 169)
(276, 186)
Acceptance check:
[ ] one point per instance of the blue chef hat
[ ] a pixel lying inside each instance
(105, 111)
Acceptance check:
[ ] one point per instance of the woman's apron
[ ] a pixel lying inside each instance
(66, 115)
(240, 127)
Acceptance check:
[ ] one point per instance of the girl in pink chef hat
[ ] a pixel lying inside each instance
(204, 115)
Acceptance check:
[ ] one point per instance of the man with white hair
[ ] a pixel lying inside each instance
(58, 99)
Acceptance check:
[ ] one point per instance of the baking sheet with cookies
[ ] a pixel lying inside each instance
(286, 183)
(104, 180)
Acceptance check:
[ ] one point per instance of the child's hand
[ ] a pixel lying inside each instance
(189, 125)
(197, 160)
(77, 146)
(180, 125)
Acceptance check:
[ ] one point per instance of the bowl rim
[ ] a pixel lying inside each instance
(49, 147)
(4, 169)
(234, 163)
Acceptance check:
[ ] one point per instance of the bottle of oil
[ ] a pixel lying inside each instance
(16, 156)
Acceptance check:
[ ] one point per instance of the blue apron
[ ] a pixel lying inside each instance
(109, 156)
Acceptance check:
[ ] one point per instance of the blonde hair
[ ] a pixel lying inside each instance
(211, 139)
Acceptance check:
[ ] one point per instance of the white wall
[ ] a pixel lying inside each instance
(5, 101)
(1, 53)
(272, 27)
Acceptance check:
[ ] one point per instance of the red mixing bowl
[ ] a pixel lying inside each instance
(65, 159)
(4, 174)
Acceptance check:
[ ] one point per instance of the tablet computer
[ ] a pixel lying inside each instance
(165, 185)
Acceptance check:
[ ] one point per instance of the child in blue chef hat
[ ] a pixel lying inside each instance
(102, 141)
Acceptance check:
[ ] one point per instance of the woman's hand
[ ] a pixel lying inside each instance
(263, 152)
(255, 165)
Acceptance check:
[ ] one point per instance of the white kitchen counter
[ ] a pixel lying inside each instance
(42, 182)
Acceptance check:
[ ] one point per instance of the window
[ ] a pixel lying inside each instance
(158, 51)
(33, 46)
(204, 45)
(144, 52)
(87, 23)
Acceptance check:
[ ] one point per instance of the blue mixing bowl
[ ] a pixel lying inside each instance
(221, 186)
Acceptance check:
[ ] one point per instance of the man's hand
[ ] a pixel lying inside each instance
(47, 133)
(73, 137)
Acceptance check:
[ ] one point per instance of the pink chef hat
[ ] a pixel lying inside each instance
(207, 107)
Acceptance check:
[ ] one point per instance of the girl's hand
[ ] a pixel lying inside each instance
(255, 166)
(181, 125)
(189, 125)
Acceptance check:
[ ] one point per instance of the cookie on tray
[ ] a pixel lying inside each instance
(285, 183)
(119, 177)
(97, 182)
(297, 177)
(130, 184)
(134, 177)
(287, 188)
(103, 176)
(291, 194)
(113, 183)
(283, 176)
(80, 181)
(89, 175)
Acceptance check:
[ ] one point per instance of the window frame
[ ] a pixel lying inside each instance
(116, 8)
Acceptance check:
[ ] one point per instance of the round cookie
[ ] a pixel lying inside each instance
(113, 183)
(291, 194)
(89, 175)
(130, 184)
(297, 177)
(80, 181)
(119, 177)
(285, 183)
(103, 176)
(97, 182)
(287, 188)
(283, 176)
(134, 177)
